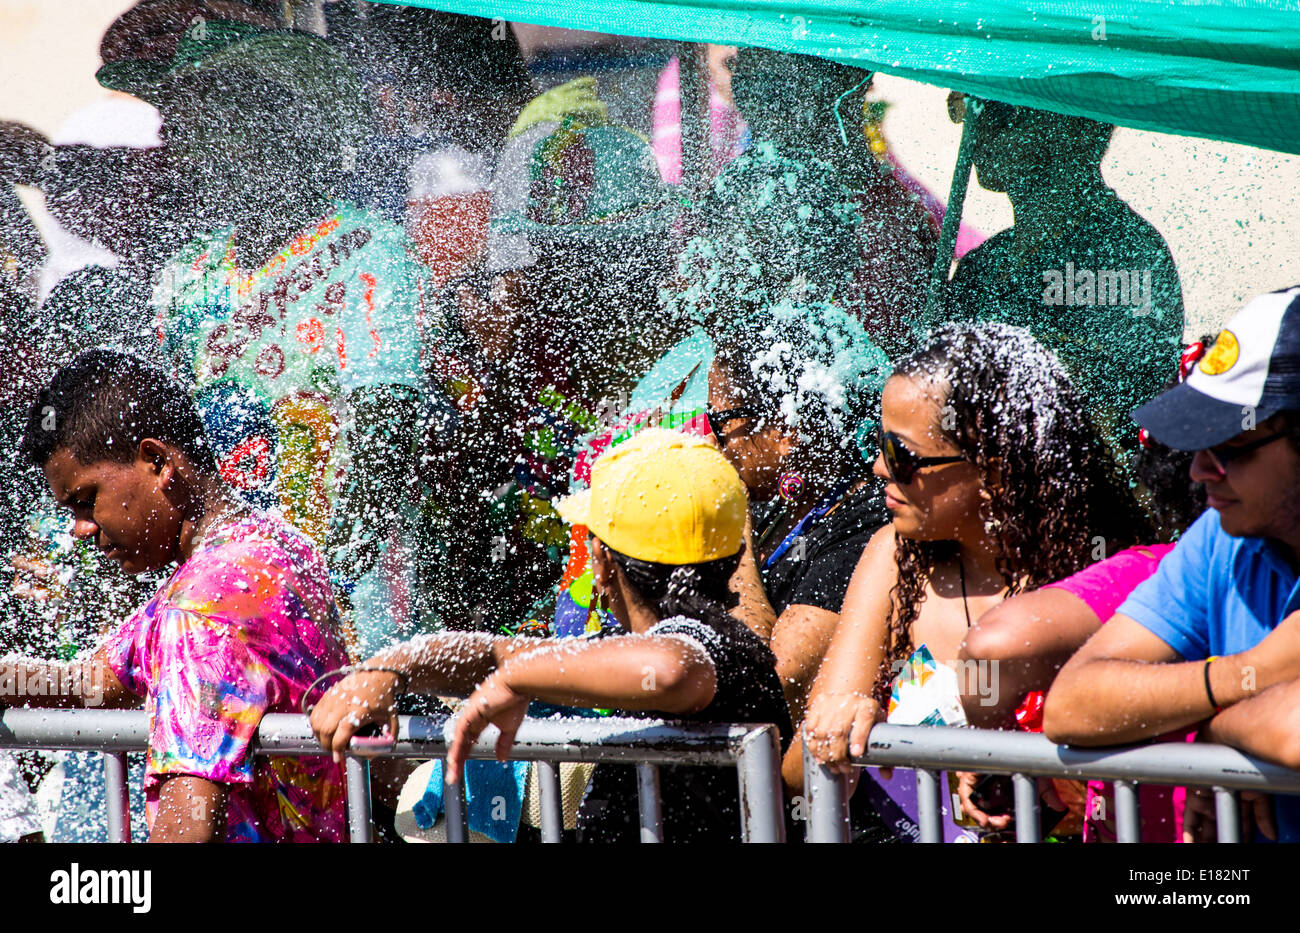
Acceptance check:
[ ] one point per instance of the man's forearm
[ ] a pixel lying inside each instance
(1267, 725)
(629, 672)
(1109, 701)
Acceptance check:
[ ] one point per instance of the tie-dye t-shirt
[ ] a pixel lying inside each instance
(241, 629)
(278, 356)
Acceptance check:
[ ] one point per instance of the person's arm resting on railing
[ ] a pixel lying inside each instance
(1126, 682)
(1122, 687)
(1123, 684)
(1267, 725)
(444, 664)
(1028, 638)
(841, 709)
(667, 673)
(637, 672)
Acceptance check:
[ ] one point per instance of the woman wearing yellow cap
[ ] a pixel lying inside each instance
(667, 514)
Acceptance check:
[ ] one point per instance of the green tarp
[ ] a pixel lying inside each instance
(1217, 69)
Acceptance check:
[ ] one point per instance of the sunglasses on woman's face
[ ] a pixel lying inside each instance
(901, 462)
(719, 418)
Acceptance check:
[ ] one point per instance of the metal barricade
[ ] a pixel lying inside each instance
(753, 750)
(1026, 756)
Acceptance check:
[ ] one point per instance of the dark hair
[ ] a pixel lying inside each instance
(104, 403)
(1173, 500)
(1009, 405)
(1164, 474)
(812, 371)
(696, 591)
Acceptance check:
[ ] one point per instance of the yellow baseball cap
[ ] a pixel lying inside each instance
(663, 497)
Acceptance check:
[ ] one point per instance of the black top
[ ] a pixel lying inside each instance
(815, 569)
(700, 803)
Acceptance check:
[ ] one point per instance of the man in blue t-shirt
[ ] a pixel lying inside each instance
(1214, 636)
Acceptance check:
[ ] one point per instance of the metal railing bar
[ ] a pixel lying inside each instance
(548, 785)
(607, 739)
(117, 800)
(457, 813)
(1027, 808)
(929, 805)
(647, 792)
(753, 750)
(1128, 824)
(360, 821)
(1002, 752)
(73, 730)
(826, 797)
(1227, 813)
(762, 802)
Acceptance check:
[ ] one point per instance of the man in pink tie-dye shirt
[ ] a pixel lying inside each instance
(241, 628)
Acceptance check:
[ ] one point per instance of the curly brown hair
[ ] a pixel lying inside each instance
(1009, 406)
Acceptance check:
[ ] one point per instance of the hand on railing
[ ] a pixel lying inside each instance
(493, 703)
(359, 700)
(1200, 819)
(836, 727)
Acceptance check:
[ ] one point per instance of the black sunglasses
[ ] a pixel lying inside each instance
(900, 460)
(1222, 456)
(718, 418)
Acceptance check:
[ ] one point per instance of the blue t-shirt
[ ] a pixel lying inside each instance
(1215, 594)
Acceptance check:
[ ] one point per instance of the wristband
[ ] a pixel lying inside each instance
(1209, 693)
(404, 682)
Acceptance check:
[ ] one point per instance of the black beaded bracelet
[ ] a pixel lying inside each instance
(1209, 692)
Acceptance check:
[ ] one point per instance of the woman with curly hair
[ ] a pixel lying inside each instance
(997, 484)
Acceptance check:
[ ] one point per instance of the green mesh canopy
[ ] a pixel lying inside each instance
(1220, 69)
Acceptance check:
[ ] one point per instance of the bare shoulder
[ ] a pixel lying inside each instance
(876, 572)
(878, 555)
(1046, 604)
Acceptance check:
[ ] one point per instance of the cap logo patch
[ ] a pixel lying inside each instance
(1222, 356)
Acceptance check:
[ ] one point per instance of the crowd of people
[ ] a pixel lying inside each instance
(415, 390)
